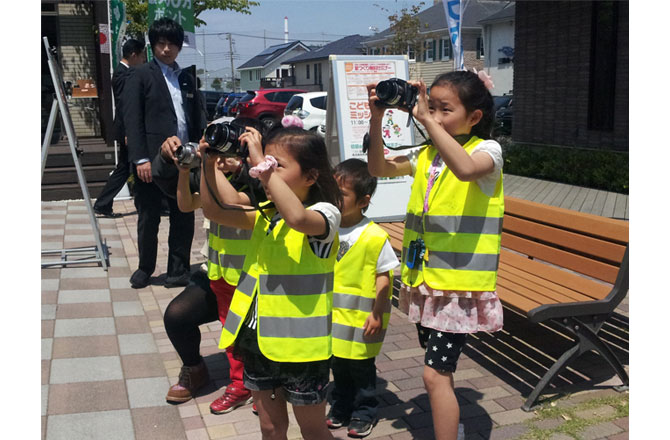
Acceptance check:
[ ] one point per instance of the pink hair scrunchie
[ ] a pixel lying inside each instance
(270, 163)
(292, 121)
(485, 78)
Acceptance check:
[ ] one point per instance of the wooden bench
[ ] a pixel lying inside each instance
(560, 265)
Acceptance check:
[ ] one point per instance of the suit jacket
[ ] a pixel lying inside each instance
(118, 81)
(148, 113)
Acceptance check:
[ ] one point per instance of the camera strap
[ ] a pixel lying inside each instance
(426, 141)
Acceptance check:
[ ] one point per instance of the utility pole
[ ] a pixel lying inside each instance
(204, 56)
(232, 67)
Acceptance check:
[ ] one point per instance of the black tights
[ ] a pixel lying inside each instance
(195, 306)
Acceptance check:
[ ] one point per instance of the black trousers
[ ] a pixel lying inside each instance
(354, 390)
(194, 306)
(148, 199)
(115, 182)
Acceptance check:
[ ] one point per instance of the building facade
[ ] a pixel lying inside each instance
(571, 74)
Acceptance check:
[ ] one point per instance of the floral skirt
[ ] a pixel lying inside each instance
(452, 311)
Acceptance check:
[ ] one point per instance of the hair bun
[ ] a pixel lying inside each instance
(292, 121)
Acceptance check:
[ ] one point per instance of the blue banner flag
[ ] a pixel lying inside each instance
(453, 9)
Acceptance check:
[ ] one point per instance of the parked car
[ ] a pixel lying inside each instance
(266, 104)
(310, 107)
(234, 106)
(211, 98)
(503, 115)
(223, 108)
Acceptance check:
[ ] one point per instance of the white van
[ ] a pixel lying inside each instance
(310, 107)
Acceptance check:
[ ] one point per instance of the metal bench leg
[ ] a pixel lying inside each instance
(560, 363)
(585, 332)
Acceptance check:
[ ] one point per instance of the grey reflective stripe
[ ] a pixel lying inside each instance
(213, 228)
(233, 321)
(246, 284)
(231, 261)
(353, 302)
(462, 261)
(355, 334)
(296, 284)
(229, 233)
(463, 224)
(213, 255)
(298, 328)
(413, 223)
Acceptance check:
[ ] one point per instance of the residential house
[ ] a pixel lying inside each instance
(498, 34)
(269, 68)
(571, 74)
(435, 56)
(311, 69)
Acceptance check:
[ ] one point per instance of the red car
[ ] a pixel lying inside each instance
(265, 104)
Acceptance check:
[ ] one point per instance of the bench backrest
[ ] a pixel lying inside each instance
(585, 243)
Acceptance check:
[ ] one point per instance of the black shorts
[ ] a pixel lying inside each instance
(442, 348)
(302, 383)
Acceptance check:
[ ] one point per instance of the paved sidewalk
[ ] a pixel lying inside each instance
(107, 362)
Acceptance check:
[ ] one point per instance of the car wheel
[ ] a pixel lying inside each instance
(268, 121)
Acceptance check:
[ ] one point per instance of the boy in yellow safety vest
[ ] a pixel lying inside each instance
(361, 303)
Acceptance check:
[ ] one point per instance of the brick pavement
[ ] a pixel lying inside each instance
(107, 361)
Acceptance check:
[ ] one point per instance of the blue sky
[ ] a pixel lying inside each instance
(311, 21)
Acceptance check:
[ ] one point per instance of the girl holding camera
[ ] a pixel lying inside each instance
(451, 242)
(280, 316)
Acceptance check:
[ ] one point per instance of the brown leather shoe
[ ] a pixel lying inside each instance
(191, 379)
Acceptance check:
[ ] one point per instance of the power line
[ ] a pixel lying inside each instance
(271, 38)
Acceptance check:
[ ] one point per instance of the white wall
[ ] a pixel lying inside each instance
(496, 36)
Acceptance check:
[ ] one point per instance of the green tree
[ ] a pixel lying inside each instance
(136, 12)
(216, 84)
(406, 30)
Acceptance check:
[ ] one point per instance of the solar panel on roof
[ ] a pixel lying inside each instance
(273, 49)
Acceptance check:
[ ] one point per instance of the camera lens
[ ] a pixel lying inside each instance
(388, 92)
(213, 134)
(223, 137)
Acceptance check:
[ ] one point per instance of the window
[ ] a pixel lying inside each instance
(283, 96)
(307, 72)
(480, 48)
(411, 53)
(429, 54)
(316, 74)
(445, 44)
(250, 77)
(258, 74)
(602, 73)
(319, 102)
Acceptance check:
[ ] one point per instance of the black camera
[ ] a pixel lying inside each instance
(186, 155)
(224, 139)
(396, 93)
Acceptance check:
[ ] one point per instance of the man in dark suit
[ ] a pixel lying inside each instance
(161, 104)
(133, 54)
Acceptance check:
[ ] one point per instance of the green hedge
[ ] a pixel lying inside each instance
(599, 169)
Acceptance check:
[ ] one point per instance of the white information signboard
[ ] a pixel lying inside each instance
(348, 119)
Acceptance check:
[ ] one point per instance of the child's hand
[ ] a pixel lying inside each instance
(373, 324)
(376, 111)
(228, 164)
(252, 138)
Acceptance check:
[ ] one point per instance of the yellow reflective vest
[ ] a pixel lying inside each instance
(354, 296)
(295, 295)
(227, 249)
(461, 229)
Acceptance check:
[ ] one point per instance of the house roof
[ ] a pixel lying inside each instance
(271, 53)
(505, 14)
(349, 45)
(433, 18)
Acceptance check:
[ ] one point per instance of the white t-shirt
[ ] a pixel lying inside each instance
(486, 183)
(348, 236)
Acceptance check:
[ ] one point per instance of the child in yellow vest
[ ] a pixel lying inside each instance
(451, 243)
(361, 303)
(207, 298)
(281, 313)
